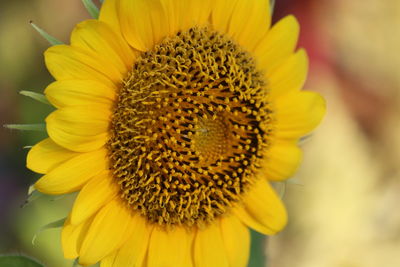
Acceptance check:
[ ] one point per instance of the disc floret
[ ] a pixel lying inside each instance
(188, 130)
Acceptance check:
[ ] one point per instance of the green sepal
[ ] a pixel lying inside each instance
(91, 8)
(295, 181)
(40, 127)
(304, 139)
(36, 96)
(102, 1)
(272, 6)
(280, 188)
(52, 40)
(257, 254)
(33, 194)
(31, 189)
(76, 264)
(32, 197)
(56, 224)
(18, 261)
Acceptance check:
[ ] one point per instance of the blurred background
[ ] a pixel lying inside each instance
(343, 203)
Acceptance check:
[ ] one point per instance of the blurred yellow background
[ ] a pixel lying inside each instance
(343, 203)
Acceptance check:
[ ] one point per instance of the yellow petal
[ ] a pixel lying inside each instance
(209, 248)
(46, 155)
(72, 237)
(98, 37)
(80, 128)
(134, 250)
(250, 22)
(170, 248)
(181, 14)
(101, 189)
(263, 210)
(109, 261)
(234, 19)
(79, 93)
(290, 75)
(236, 238)
(68, 63)
(71, 175)
(171, 11)
(298, 113)
(221, 14)
(110, 228)
(282, 161)
(143, 22)
(194, 13)
(278, 44)
(108, 14)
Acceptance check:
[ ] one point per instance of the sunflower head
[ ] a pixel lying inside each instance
(186, 132)
(172, 117)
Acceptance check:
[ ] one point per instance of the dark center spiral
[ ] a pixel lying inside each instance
(188, 130)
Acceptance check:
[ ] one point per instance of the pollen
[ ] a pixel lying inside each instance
(189, 129)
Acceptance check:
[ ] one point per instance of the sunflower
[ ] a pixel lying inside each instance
(172, 117)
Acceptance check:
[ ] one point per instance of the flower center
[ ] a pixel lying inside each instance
(209, 140)
(189, 129)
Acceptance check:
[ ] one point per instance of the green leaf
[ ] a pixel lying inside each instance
(18, 261)
(56, 224)
(91, 8)
(40, 127)
(52, 40)
(36, 96)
